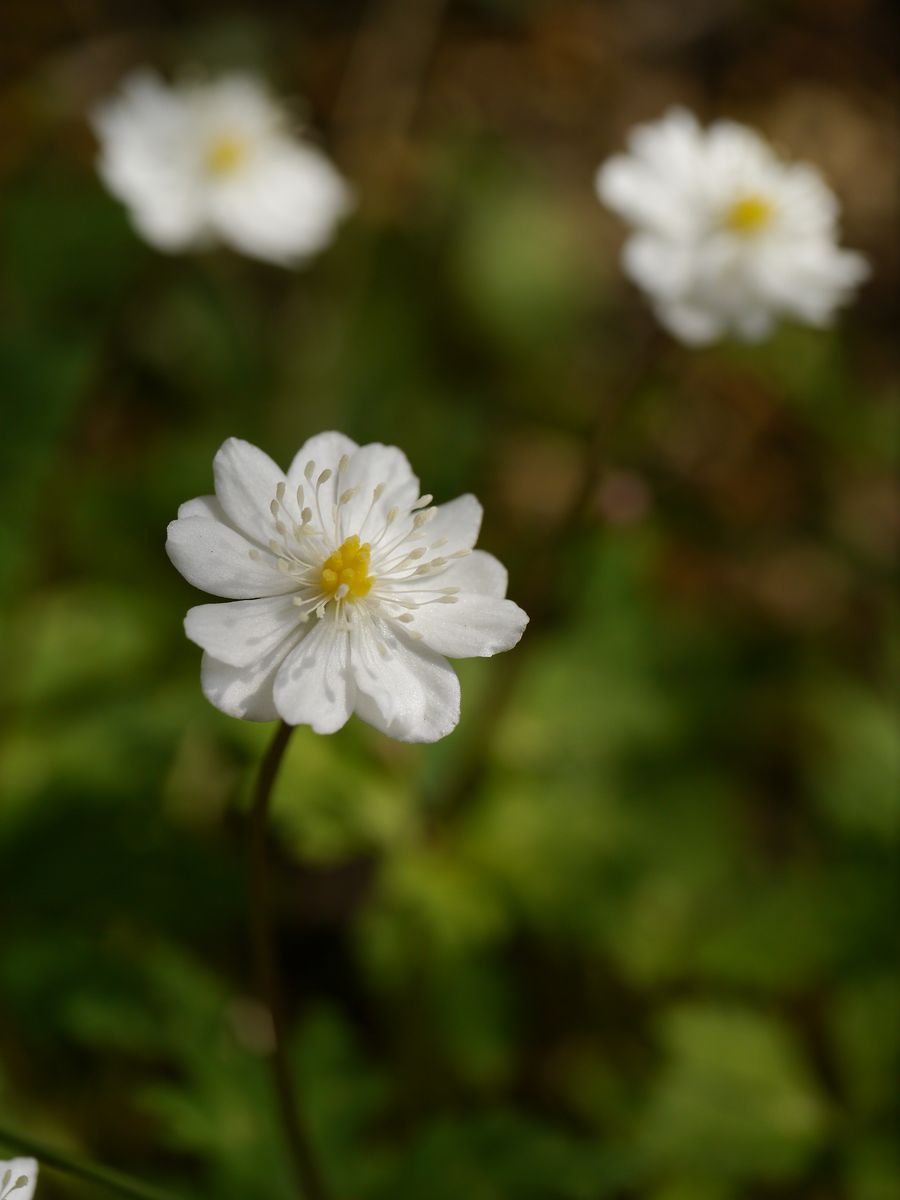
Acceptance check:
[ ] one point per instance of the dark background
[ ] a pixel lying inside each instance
(630, 931)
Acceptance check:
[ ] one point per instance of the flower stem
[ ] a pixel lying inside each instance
(104, 1177)
(306, 1167)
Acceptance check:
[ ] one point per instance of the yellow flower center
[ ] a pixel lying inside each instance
(348, 567)
(225, 154)
(749, 215)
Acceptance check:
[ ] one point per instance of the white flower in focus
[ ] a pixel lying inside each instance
(727, 238)
(18, 1178)
(215, 161)
(347, 589)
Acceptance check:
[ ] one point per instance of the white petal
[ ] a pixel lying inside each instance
(633, 191)
(654, 186)
(314, 685)
(145, 160)
(459, 521)
(662, 266)
(284, 206)
(246, 692)
(216, 559)
(203, 506)
(692, 325)
(237, 104)
(808, 279)
(672, 146)
(243, 631)
(407, 691)
(170, 216)
(18, 1167)
(471, 627)
(246, 482)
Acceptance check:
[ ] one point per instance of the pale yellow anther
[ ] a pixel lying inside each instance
(348, 567)
(225, 154)
(749, 215)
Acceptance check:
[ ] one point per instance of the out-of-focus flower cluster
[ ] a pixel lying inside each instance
(216, 161)
(727, 238)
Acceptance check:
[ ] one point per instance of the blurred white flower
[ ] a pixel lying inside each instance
(207, 161)
(727, 238)
(18, 1178)
(348, 588)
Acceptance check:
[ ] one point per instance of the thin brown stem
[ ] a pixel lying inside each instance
(306, 1168)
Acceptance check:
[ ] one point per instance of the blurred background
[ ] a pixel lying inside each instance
(631, 930)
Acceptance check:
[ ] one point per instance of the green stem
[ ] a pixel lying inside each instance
(306, 1167)
(105, 1177)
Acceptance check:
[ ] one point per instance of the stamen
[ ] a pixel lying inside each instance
(324, 477)
(273, 508)
(342, 465)
(421, 502)
(308, 470)
(279, 491)
(749, 215)
(379, 491)
(423, 518)
(346, 571)
(300, 497)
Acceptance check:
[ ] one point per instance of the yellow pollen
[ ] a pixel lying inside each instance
(749, 215)
(349, 565)
(225, 154)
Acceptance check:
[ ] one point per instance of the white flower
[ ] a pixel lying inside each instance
(207, 161)
(727, 237)
(348, 587)
(18, 1177)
